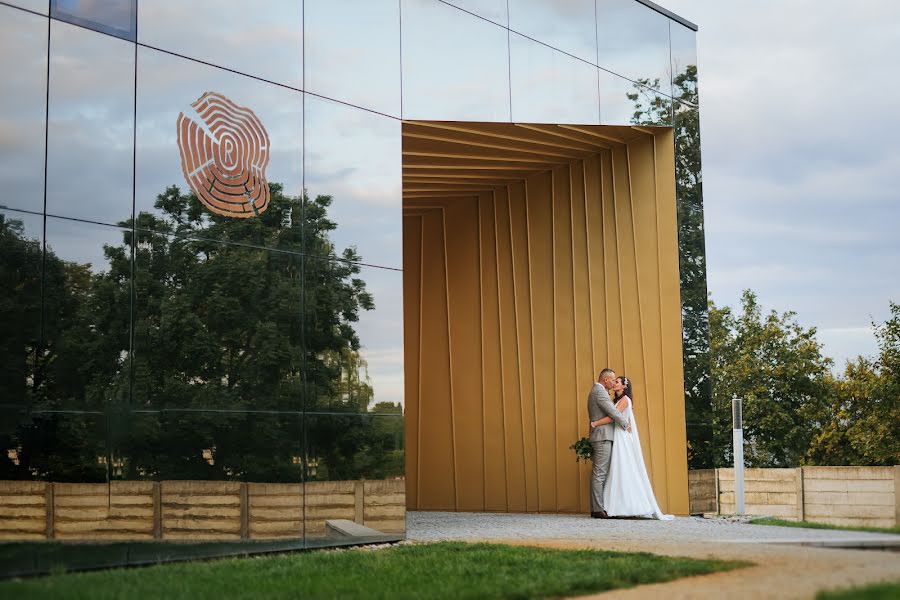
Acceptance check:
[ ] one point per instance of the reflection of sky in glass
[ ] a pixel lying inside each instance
(565, 24)
(684, 50)
(493, 10)
(264, 40)
(32, 225)
(91, 125)
(82, 243)
(355, 156)
(115, 17)
(455, 65)
(352, 52)
(23, 61)
(168, 85)
(381, 333)
(40, 6)
(549, 86)
(633, 40)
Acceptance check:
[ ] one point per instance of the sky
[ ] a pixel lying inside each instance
(800, 117)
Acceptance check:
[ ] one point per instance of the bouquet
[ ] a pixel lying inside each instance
(583, 450)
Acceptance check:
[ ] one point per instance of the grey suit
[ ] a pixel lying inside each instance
(600, 405)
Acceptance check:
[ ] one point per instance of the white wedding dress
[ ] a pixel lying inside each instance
(627, 492)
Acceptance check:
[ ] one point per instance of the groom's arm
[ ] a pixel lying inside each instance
(607, 407)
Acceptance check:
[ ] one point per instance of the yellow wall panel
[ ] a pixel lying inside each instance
(515, 296)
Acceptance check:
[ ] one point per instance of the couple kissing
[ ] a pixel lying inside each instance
(620, 486)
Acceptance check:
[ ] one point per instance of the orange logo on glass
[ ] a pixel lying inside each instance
(224, 154)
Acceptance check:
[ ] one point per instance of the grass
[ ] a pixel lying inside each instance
(428, 571)
(810, 525)
(885, 591)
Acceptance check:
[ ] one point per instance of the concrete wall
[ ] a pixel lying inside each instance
(851, 496)
(195, 510)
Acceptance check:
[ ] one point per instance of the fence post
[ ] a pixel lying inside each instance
(50, 508)
(896, 495)
(718, 505)
(245, 511)
(359, 495)
(157, 510)
(801, 501)
(738, 435)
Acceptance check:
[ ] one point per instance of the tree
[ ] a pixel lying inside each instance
(777, 368)
(183, 357)
(864, 413)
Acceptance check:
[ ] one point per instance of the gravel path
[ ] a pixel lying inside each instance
(781, 568)
(462, 526)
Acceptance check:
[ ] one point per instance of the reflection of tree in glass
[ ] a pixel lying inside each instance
(217, 330)
(653, 109)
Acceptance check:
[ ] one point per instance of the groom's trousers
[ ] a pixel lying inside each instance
(601, 457)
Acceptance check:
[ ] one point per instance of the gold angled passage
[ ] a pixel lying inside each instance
(534, 256)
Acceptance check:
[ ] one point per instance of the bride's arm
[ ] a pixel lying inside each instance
(621, 405)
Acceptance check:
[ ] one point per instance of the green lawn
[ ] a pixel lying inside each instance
(883, 591)
(430, 571)
(810, 525)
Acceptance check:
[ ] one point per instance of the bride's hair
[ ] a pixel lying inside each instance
(627, 383)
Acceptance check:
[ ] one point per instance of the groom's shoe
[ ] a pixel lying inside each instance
(599, 515)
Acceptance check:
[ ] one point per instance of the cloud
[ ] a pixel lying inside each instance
(800, 162)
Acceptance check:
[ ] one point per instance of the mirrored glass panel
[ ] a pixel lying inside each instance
(353, 328)
(353, 184)
(23, 60)
(21, 258)
(633, 41)
(355, 485)
(216, 326)
(38, 6)
(569, 25)
(352, 52)
(692, 263)
(231, 145)
(114, 17)
(492, 10)
(623, 102)
(455, 65)
(86, 316)
(90, 138)
(684, 63)
(549, 86)
(63, 447)
(264, 41)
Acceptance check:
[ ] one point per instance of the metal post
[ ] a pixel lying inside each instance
(738, 432)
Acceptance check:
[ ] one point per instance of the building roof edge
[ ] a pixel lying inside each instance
(669, 14)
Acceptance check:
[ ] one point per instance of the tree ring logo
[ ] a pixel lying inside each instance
(224, 154)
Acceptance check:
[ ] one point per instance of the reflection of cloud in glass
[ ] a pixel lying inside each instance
(615, 106)
(565, 24)
(352, 52)
(684, 54)
(90, 127)
(114, 18)
(355, 156)
(455, 65)
(23, 61)
(168, 84)
(82, 243)
(549, 86)
(633, 40)
(265, 40)
(39, 6)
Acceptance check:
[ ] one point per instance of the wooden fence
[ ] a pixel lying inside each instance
(854, 496)
(195, 510)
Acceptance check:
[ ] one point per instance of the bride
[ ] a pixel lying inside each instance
(627, 492)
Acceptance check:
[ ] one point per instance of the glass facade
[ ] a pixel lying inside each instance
(202, 243)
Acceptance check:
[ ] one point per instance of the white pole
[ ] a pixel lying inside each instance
(738, 432)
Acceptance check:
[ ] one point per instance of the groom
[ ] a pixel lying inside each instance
(599, 406)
